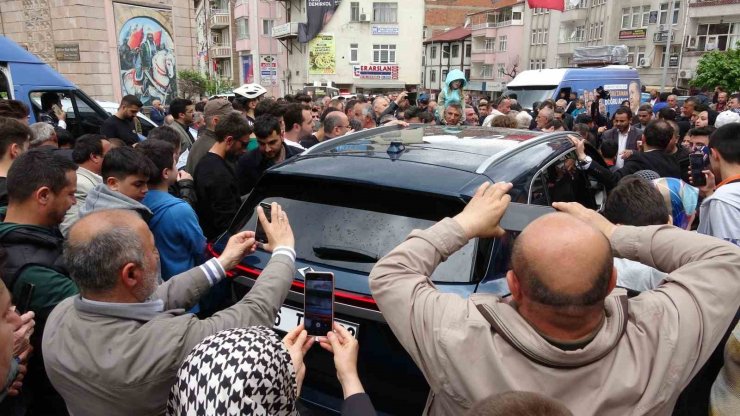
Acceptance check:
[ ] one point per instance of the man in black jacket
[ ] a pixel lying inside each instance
(272, 150)
(658, 135)
(216, 183)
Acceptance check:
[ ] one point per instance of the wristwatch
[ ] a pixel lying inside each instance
(585, 162)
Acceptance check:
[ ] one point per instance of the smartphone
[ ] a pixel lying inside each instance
(412, 98)
(259, 232)
(518, 216)
(23, 303)
(318, 303)
(698, 166)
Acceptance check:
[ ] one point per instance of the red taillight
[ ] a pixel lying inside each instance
(346, 297)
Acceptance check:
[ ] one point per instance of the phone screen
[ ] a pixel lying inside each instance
(412, 98)
(259, 232)
(319, 303)
(23, 303)
(697, 168)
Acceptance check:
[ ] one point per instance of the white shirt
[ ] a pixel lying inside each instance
(622, 148)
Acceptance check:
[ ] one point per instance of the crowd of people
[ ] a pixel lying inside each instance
(110, 304)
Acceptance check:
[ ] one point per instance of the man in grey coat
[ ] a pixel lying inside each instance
(116, 348)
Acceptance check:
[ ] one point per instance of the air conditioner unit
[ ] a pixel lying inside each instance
(661, 28)
(685, 74)
(644, 63)
(363, 18)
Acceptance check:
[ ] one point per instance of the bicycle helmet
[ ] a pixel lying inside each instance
(251, 91)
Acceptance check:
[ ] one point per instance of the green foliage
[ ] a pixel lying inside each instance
(191, 82)
(719, 68)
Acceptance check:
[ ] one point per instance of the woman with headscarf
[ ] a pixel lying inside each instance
(249, 371)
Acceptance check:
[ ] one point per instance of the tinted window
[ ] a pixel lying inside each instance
(562, 181)
(320, 228)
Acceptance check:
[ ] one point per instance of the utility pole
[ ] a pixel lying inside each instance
(667, 51)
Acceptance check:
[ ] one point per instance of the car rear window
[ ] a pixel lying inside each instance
(319, 228)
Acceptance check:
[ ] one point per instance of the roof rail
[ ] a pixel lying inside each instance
(524, 146)
(348, 138)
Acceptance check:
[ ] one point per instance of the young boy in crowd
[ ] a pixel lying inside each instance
(177, 234)
(125, 173)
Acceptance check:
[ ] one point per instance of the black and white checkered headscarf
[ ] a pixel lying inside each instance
(241, 371)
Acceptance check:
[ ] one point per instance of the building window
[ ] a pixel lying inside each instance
(434, 52)
(467, 74)
(433, 75)
(468, 48)
(424, 33)
(242, 28)
(601, 31)
(384, 54)
(673, 51)
(717, 36)
(502, 42)
(354, 11)
(490, 44)
(444, 75)
(664, 13)
(486, 71)
(544, 37)
(267, 27)
(455, 50)
(636, 56)
(446, 51)
(635, 17)
(535, 35)
(385, 12)
(501, 70)
(354, 51)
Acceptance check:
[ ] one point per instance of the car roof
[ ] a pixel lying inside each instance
(422, 157)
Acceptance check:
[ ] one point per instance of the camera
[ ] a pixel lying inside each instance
(603, 94)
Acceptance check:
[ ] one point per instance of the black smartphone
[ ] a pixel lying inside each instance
(259, 232)
(318, 303)
(518, 216)
(412, 98)
(698, 166)
(23, 303)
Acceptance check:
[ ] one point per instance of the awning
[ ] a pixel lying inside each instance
(381, 85)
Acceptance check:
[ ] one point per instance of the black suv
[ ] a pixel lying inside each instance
(353, 199)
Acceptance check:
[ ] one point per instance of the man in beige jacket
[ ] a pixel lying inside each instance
(564, 333)
(116, 348)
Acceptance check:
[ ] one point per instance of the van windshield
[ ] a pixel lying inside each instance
(528, 96)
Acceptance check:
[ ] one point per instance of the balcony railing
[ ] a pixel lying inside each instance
(706, 3)
(489, 25)
(220, 51)
(573, 40)
(219, 18)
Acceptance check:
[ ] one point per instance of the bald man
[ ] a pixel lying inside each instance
(562, 332)
(115, 349)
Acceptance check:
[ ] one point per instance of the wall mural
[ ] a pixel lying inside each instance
(146, 52)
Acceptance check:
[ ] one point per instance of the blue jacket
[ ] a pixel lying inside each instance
(177, 234)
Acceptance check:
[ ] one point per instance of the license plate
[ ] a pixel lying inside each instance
(288, 318)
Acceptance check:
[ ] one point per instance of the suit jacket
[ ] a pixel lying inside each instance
(186, 140)
(656, 160)
(632, 137)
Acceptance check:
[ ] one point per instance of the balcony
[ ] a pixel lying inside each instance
(574, 14)
(483, 56)
(221, 51)
(285, 31)
(219, 19)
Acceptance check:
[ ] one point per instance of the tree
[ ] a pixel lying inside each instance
(191, 83)
(719, 69)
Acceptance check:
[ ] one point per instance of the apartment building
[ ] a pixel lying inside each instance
(366, 46)
(444, 52)
(235, 43)
(443, 15)
(498, 46)
(710, 25)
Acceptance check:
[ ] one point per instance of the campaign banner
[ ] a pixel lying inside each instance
(247, 69)
(319, 13)
(384, 30)
(268, 70)
(376, 71)
(322, 55)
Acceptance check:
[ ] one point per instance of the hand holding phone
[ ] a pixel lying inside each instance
(318, 303)
(274, 226)
(23, 303)
(259, 232)
(697, 162)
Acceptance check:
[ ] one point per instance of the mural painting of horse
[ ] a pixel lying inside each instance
(158, 81)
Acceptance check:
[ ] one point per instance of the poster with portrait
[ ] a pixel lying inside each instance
(322, 56)
(146, 52)
(318, 14)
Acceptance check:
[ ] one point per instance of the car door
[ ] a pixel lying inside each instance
(560, 180)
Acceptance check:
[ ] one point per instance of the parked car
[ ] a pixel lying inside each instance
(353, 199)
(146, 123)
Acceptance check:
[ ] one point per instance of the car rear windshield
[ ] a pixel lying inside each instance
(351, 238)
